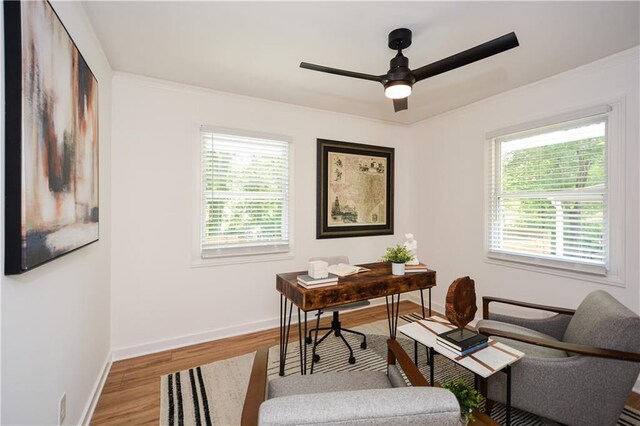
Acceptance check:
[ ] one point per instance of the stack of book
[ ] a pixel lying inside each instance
(462, 342)
(420, 267)
(308, 282)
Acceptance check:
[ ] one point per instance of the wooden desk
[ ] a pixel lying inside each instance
(378, 282)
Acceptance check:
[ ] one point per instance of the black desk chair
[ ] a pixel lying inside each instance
(336, 327)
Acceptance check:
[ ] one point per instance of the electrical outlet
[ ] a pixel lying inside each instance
(62, 409)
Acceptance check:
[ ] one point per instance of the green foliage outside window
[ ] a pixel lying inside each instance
(553, 175)
(245, 195)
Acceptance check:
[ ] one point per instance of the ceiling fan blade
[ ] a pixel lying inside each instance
(482, 51)
(337, 71)
(400, 104)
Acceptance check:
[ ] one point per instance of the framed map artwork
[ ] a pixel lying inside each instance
(355, 190)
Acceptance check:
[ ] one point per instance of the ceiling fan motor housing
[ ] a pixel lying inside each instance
(399, 72)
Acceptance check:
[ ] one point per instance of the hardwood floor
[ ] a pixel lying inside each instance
(131, 394)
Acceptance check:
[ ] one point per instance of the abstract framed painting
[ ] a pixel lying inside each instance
(51, 139)
(355, 190)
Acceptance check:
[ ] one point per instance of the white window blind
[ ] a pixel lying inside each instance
(245, 195)
(548, 200)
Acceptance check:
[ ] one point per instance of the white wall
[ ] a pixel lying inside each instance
(451, 166)
(158, 299)
(55, 319)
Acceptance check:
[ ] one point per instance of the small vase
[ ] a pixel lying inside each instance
(397, 268)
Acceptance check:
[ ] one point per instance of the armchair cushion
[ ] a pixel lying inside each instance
(403, 406)
(528, 349)
(395, 376)
(554, 326)
(327, 382)
(601, 321)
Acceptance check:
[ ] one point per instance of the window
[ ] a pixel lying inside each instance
(245, 195)
(549, 202)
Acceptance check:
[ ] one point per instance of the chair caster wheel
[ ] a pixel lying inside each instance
(309, 340)
(352, 360)
(363, 345)
(316, 358)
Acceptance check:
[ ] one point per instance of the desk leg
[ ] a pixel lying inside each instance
(431, 366)
(315, 341)
(415, 352)
(300, 343)
(304, 337)
(393, 309)
(285, 326)
(423, 317)
(508, 408)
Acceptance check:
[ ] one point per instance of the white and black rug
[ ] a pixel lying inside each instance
(213, 394)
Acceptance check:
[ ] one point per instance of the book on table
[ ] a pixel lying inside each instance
(300, 283)
(344, 269)
(461, 339)
(309, 281)
(420, 267)
(465, 352)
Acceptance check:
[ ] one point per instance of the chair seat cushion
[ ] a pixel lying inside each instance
(327, 382)
(417, 406)
(528, 349)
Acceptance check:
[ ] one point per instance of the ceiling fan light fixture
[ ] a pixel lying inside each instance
(397, 89)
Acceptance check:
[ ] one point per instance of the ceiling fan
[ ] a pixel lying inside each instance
(399, 80)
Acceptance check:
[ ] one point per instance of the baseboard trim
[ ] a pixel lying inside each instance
(97, 391)
(436, 308)
(119, 354)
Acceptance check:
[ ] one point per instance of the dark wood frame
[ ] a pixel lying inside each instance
(323, 230)
(563, 346)
(13, 243)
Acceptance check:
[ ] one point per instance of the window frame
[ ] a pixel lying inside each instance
(613, 272)
(201, 257)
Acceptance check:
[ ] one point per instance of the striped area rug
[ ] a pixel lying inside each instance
(213, 394)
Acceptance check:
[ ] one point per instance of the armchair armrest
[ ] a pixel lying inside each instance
(564, 346)
(396, 353)
(257, 388)
(488, 299)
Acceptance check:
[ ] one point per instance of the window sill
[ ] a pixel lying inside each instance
(236, 260)
(609, 279)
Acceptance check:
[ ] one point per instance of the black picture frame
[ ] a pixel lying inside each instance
(63, 158)
(363, 175)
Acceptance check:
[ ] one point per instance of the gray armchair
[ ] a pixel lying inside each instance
(362, 397)
(579, 366)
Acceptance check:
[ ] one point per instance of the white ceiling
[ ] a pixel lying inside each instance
(255, 48)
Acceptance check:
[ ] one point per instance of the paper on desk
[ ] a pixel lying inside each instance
(344, 269)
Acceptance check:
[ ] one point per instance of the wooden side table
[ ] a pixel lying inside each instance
(482, 363)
